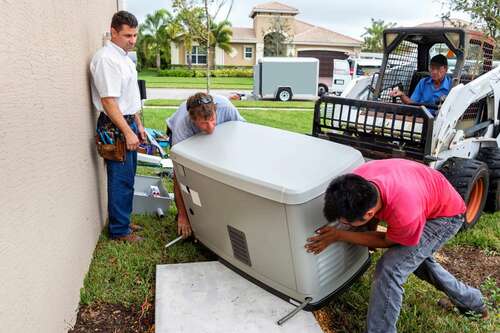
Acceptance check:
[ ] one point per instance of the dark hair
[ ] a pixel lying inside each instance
(349, 196)
(123, 17)
(439, 60)
(200, 105)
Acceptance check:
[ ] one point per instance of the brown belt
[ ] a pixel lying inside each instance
(129, 118)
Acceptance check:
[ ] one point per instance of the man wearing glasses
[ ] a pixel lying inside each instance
(201, 113)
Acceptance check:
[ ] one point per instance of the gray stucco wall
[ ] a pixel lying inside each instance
(52, 192)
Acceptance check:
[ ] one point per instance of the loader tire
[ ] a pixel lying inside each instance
(491, 156)
(470, 178)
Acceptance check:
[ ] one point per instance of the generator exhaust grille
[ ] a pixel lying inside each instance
(239, 244)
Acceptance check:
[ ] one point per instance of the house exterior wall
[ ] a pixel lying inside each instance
(53, 184)
(182, 56)
(262, 24)
(351, 50)
(237, 57)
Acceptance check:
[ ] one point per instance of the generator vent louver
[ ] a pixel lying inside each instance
(239, 245)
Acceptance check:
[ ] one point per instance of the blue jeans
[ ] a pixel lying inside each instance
(121, 176)
(399, 261)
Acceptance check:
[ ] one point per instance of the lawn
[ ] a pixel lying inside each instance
(236, 83)
(309, 105)
(124, 274)
(295, 121)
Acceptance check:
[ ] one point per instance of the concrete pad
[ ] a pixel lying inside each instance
(208, 297)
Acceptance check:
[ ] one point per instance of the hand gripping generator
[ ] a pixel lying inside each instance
(254, 194)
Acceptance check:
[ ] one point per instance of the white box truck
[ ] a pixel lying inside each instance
(286, 78)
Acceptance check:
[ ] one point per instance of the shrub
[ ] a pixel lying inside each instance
(232, 73)
(176, 72)
(201, 72)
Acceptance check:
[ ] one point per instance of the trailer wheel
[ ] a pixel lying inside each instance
(322, 89)
(470, 178)
(491, 156)
(284, 94)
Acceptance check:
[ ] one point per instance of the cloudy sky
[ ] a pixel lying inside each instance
(347, 17)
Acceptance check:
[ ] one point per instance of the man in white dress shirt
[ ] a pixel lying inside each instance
(115, 94)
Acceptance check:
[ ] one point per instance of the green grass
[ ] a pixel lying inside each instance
(295, 121)
(246, 104)
(125, 274)
(419, 313)
(484, 235)
(237, 83)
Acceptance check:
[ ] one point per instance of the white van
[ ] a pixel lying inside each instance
(344, 71)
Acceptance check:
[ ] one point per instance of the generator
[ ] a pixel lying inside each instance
(254, 194)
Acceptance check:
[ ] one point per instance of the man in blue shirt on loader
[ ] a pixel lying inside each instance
(429, 90)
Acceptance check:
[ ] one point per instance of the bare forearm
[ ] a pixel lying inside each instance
(405, 99)
(371, 239)
(181, 209)
(138, 121)
(114, 113)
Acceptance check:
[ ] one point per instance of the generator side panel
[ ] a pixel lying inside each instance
(322, 274)
(246, 230)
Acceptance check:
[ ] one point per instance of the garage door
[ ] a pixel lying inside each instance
(325, 60)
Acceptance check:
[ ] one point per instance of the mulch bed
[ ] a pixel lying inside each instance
(112, 318)
(468, 264)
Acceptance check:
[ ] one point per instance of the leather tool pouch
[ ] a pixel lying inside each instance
(113, 152)
(110, 141)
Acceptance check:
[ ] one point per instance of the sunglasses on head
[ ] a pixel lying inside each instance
(202, 101)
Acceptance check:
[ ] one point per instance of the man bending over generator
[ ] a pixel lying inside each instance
(422, 211)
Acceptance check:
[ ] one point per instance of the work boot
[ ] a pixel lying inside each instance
(448, 305)
(135, 227)
(130, 238)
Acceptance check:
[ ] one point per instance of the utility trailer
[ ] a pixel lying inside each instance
(286, 78)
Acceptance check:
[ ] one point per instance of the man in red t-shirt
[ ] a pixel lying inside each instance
(422, 211)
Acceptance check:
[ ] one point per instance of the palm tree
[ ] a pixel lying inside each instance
(220, 36)
(190, 23)
(373, 35)
(153, 33)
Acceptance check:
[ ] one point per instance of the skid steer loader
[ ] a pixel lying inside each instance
(460, 137)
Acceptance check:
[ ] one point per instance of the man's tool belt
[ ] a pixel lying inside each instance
(110, 141)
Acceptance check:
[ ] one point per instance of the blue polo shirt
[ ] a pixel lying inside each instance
(425, 92)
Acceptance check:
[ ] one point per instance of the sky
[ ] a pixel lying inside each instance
(346, 17)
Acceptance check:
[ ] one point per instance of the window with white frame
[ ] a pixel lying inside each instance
(248, 52)
(198, 55)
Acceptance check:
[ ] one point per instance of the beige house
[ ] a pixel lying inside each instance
(53, 185)
(249, 44)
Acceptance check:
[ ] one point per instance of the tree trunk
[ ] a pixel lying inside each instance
(158, 60)
(212, 55)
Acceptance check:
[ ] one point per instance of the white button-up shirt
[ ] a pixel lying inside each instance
(114, 75)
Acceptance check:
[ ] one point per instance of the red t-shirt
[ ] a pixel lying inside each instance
(411, 194)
